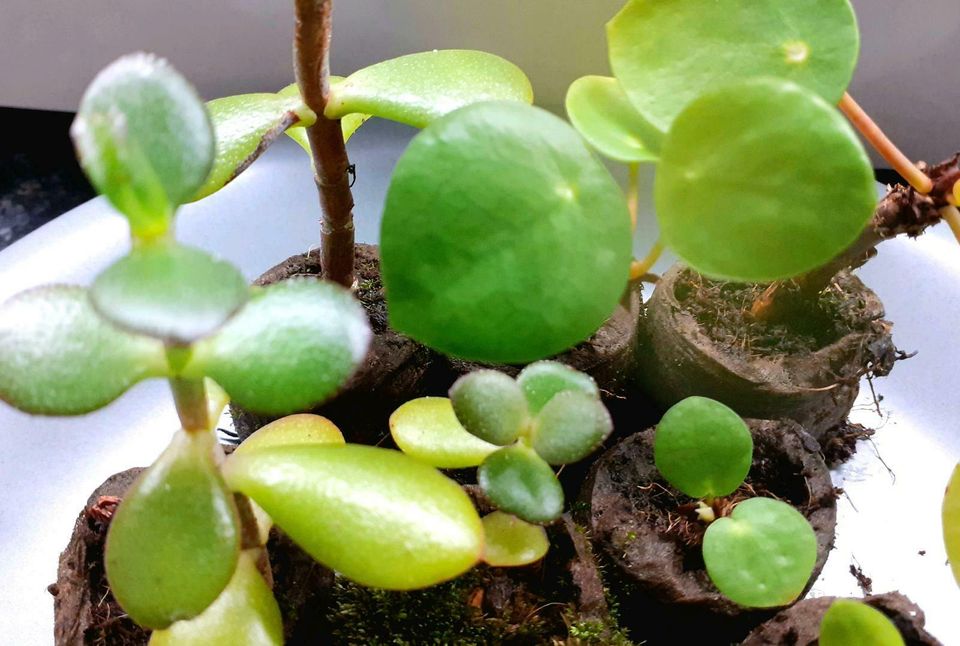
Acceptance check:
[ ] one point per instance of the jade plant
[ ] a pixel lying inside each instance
(849, 622)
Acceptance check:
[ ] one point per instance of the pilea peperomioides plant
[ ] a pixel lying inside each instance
(850, 622)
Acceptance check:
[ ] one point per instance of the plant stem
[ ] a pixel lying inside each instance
(640, 268)
(951, 215)
(330, 162)
(190, 396)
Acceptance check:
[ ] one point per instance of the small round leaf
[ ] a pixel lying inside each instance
(519, 482)
(490, 405)
(849, 623)
(570, 427)
(427, 429)
(951, 522)
(302, 428)
(542, 380)
(511, 542)
(762, 555)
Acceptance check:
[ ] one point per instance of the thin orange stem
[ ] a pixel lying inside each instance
(640, 268)
(954, 196)
(952, 216)
(633, 192)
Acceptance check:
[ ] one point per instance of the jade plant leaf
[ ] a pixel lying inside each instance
(302, 428)
(292, 346)
(570, 427)
(519, 482)
(490, 405)
(144, 139)
(762, 555)
(600, 110)
(511, 542)
(349, 123)
(667, 53)
(419, 88)
(374, 515)
(527, 229)
(951, 522)
(427, 429)
(703, 448)
(848, 623)
(174, 540)
(761, 181)
(542, 380)
(245, 614)
(169, 291)
(59, 357)
(217, 401)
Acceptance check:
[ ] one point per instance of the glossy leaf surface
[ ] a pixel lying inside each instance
(59, 357)
(762, 555)
(570, 427)
(490, 405)
(668, 53)
(850, 623)
(376, 516)
(762, 181)
(174, 540)
(505, 202)
(349, 123)
(542, 380)
(428, 429)
(169, 291)
(519, 482)
(511, 542)
(951, 522)
(302, 428)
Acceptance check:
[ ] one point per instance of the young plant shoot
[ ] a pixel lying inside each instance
(849, 622)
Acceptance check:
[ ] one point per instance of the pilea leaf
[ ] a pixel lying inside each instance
(59, 357)
(951, 522)
(174, 540)
(303, 428)
(703, 448)
(144, 140)
(761, 181)
(849, 623)
(542, 380)
(490, 405)
(419, 88)
(292, 346)
(245, 614)
(511, 542)
(169, 291)
(600, 110)
(509, 203)
(376, 516)
(570, 427)
(667, 53)
(762, 555)
(349, 123)
(427, 429)
(519, 482)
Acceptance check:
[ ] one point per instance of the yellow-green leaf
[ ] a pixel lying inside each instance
(428, 430)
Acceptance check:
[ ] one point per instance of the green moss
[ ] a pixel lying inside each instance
(590, 633)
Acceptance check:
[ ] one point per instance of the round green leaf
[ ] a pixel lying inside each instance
(511, 542)
(519, 482)
(850, 623)
(174, 540)
(144, 140)
(245, 614)
(570, 427)
(762, 181)
(349, 123)
(302, 428)
(419, 88)
(427, 429)
(168, 291)
(376, 516)
(762, 555)
(490, 405)
(951, 522)
(58, 357)
(542, 380)
(703, 448)
(600, 110)
(668, 53)
(293, 346)
(491, 209)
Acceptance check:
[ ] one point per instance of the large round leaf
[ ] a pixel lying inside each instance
(760, 181)
(668, 53)
(503, 239)
(166, 290)
(376, 516)
(519, 482)
(174, 541)
(428, 430)
(848, 623)
(512, 542)
(762, 555)
(570, 427)
(59, 357)
(292, 346)
(490, 405)
(951, 522)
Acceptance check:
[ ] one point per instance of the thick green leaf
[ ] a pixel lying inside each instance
(703, 448)
(762, 555)
(293, 346)
(349, 123)
(420, 88)
(168, 291)
(376, 516)
(851, 623)
(58, 357)
(512, 542)
(174, 540)
(761, 181)
(245, 614)
(503, 238)
(303, 428)
(519, 482)
(600, 110)
(144, 140)
(951, 522)
(542, 380)
(427, 429)
(668, 53)
(570, 427)
(490, 405)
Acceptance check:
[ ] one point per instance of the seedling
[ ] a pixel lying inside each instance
(850, 622)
